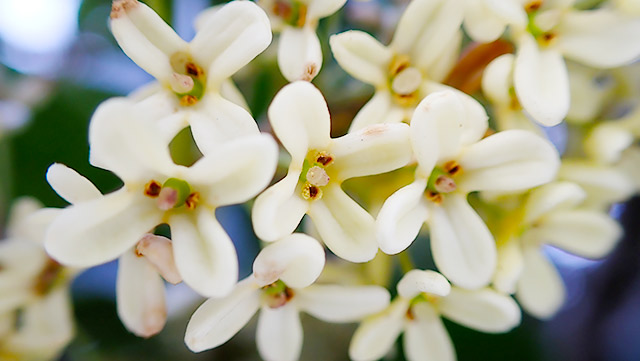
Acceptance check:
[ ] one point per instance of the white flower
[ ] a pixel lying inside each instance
(319, 164)
(423, 296)
(549, 215)
(423, 50)
(158, 191)
(453, 160)
(280, 287)
(191, 75)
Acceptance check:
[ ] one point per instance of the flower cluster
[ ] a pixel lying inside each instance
(491, 191)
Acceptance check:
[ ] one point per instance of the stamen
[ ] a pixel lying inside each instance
(407, 81)
(193, 69)
(324, 158)
(452, 167)
(444, 184)
(434, 196)
(311, 192)
(277, 294)
(47, 277)
(398, 64)
(192, 201)
(406, 100)
(168, 198)
(152, 189)
(533, 6)
(188, 100)
(181, 83)
(317, 176)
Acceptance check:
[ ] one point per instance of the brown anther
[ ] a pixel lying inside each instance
(533, 6)
(188, 100)
(282, 9)
(47, 277)
(192, 69)
(152, 189)
(452, 167)
(192, 200)
(311, 192)
(324, 158)
(302, 16)
(406, 100)
(398, 64)
(548, 37)
(410, 314)
(434, 196)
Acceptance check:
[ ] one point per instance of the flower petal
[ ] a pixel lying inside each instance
(279, 333)
(541, 81)
(158, 251)
(277, 211)
(217, 320)
(426, 338)
(463, 248)
(100, 230)
(345, 227)
(379, 109)
(604, 184)
(140, 296)
(484, 310)
(417, 281)
(508, 161)
(70, 185)
(299, 53)
(334, 303)
(377, 334)
(230, 91)
(204, 253)
(540, 289)
(497, 79)
(323, 8)
(300, 119)
(551, 197)
(230, 39)
(375, 149)
(401, 217)
(509, 267)
(297, 260)
(362, 56)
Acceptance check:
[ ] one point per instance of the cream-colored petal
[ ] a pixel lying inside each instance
(158, 251)
(551, 197)
(70, 185)
(375, 149)
(336, 303)
(100, 230)
(300, 119)
(540, 289)
(277, 211)
(541, 81)
(379, 109)
(509, 267)
(604, 184)
(362, 56)
(140, 296)
(217, 320)
(484, 310)
(230, 91)
(297, 260)
(508, 161)
(279, 333)
(204, 253)
(425, 337)
(299, 53)
(463, 248)
(606, 142)
(232, 37)
(322, 8)
(377, 334)
(417, 281)
(591, 90)
(481, 22)
(497, 79)
(345, 227)
(401, 217)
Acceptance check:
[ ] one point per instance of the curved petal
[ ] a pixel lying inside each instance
(345, 227)
(377, 334)
(297, 260)
(230, 39)
(463, 248)
(417, 281)
(204, 253)
(299, 53)
(140, 296)
(509, 267)
(235, 171)
(279, 333)
(604, 184)
(508, 161)
(599, 38)
(100, 230)
(551, 197)
(401, 217)
(540, 289)
(158, 251)
(230, 91)
(375, 149)
(426, 338)
(300, 119)
(379, 109)
(484, 310)
(362, 56)
(323, 8)
(334, 303)
(278, 210)
(145, 37)
(70, 185)
(497, 79)
(220, 121)
(481, 22)
(217, 320)
(541, 81)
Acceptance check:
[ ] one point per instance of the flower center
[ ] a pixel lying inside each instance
(314, 174)
(277, 294)
(174, 193)
(441, 181)
(404, 80)
(291, 12)
(423, 297)
(188, 79)
(536, 26)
